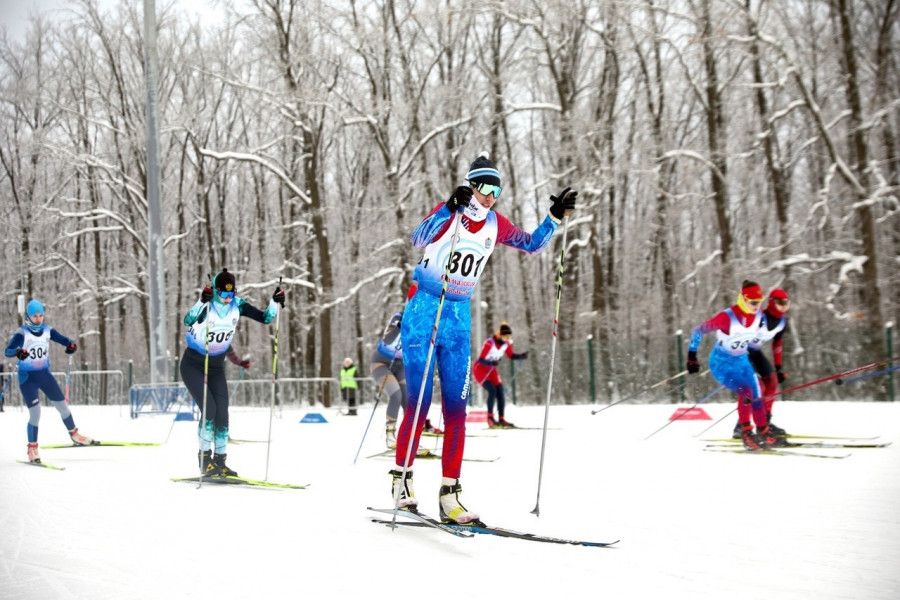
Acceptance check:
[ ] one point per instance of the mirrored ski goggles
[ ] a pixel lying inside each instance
(781, 301)
(753, 302)
(486, 189)
(226, 295)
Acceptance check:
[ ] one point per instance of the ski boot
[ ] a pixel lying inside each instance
(773, 428)
(390, 435)
(504, 424)
(751, 441)
(491, 422)
(81, 440)
(768, 439)
(738, 432)
(429, 428)
(224, 470)
(452, 510)
(407, 498)
(33, 455)
(208, 466)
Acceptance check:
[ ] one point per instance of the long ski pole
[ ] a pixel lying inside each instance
(68, 378)
(811, 383)
(687, 411)
(428, 369)
(836, 376)
(205, 393)
(274, 377)
(866, 376)
(559, 279)
(377, 400)
(644, 390)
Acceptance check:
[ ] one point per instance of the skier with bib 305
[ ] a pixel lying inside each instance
(480, 230)
(487, 374)
(212, 322)
(736, 327)
(31, 345)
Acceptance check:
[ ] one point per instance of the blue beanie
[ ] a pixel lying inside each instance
(483, 170)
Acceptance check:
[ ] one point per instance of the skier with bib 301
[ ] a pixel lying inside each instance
(212, 322)
(481, 229)
(736, 327)
(31, 345)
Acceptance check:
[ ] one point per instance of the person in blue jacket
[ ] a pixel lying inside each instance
(31, 345)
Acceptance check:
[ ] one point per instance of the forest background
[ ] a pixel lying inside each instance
(710, 141)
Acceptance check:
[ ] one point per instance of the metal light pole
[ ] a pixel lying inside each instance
(159, 368)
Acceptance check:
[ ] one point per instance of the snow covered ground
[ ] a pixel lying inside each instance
(692, 524)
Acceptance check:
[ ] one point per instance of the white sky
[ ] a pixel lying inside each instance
(692, 524)
(14, 14)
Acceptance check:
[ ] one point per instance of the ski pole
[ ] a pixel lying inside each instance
(68, 377)
(377, 400)
(205, 386)
(836, 376)
(559, 279)
(274, 376)
(434, 331)
(686, 411)
(646, 389)
(866, 376)
(811, 383)
(722, 418)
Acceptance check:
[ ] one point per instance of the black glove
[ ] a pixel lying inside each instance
(278, 296)
(71, 348)
(206, 295)
(461, 197)
(781, 376)
(245, 363)
(693, 365)
(563, 203)
(520, 355)
(21, 353)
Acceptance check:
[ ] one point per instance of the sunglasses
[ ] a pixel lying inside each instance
(754, 302)
(486, 189)
(781, 301)
(226, 295)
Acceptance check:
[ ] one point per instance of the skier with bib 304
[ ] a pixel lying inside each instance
(212, 322)
(480, 229)
(736, 327)
(31, 345)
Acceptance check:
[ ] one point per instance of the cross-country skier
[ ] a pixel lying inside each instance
(212, 322)
(487, 374)
(736, 327)
(481, 230)
(31, 345)
(774, 324)
(386, 369)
